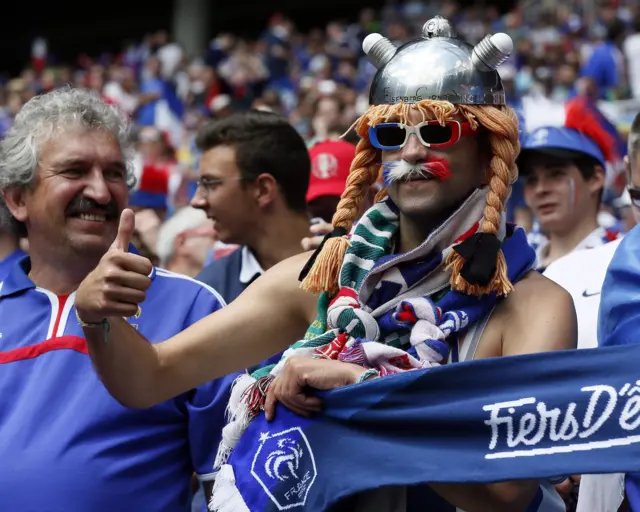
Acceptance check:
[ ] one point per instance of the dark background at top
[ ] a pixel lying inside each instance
(72, 27)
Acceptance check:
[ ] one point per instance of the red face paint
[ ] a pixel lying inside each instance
(438, 168)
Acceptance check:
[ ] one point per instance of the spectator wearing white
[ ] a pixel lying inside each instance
(184, 241)
(564, 175)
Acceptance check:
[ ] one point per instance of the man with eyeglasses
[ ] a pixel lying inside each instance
(254, 175)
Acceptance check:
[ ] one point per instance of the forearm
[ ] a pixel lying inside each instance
(126, 362)
(504, 496)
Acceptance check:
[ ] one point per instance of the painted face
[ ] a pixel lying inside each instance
(558, 194)
(429, 181)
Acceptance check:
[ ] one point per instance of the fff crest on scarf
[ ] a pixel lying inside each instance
(285, 467)
(438, 66)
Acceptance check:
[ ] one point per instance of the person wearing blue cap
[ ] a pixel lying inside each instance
(564, 173)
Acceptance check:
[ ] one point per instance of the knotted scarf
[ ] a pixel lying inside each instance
(394, 312)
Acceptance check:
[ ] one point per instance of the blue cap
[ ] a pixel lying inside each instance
(561, 142)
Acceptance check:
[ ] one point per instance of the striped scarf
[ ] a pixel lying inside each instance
(393, 313)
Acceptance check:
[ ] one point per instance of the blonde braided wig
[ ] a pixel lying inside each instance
(502, 125)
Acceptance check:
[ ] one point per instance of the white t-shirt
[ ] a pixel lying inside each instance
(582, 274)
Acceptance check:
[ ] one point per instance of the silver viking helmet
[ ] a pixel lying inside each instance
(437, 66)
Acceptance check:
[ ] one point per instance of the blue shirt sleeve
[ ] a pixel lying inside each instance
(207, 404)
(619, 314)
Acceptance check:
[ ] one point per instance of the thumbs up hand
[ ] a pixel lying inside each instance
(118, 284)
(125, 231)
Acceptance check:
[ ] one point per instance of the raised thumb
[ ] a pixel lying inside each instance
(125, 230)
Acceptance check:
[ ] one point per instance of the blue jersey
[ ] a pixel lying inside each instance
(619, 317)
(65, 443)
(7, 264)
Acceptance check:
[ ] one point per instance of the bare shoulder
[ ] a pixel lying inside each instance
(537, 295)
(280, 286)
(537, 316)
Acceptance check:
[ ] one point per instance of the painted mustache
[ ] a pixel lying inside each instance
(401, 170)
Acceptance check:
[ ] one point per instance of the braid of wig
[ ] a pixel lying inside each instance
(502, 125)
(323, 275)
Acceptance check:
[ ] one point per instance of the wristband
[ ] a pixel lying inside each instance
(104, 324)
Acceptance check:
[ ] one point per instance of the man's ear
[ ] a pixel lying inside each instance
(266, 190)
(14, 198)
(596, 183)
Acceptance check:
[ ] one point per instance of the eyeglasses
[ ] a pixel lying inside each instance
(432, 134)
(634, 194)
(207, 183)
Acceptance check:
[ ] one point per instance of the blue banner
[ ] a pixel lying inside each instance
(526, 417)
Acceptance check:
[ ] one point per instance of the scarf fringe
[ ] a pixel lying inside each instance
(238, 418)
(323, 275)
(226, 497)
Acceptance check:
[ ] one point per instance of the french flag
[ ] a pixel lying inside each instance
(583, 114)
(152, 185)
(169, 111)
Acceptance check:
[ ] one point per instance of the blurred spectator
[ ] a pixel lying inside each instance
(605, 66)
(184, 241)
(330, 164)
(157, 178)
(631, 50)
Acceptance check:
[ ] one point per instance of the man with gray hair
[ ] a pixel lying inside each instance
(185, 240)
(66, 444)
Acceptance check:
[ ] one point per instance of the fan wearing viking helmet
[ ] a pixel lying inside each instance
(431, 274)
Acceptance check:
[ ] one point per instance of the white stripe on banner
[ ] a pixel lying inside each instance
(578, 447)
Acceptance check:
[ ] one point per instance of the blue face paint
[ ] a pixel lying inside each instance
(387, 170)
(572, 195)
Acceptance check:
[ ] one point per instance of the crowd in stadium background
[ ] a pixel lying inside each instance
(320, 79)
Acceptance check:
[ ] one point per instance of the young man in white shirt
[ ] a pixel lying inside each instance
(564, 173)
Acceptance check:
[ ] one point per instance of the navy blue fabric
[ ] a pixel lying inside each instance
(223, 275)
(568, 412)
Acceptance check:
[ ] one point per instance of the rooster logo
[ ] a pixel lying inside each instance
(283, 462)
